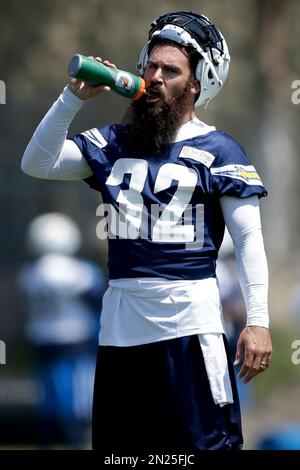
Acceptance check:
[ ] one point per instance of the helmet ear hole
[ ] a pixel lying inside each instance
(216, 57)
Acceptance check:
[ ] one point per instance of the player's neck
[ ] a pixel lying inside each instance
(188, 116)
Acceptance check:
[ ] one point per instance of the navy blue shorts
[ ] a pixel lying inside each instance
(157, 397)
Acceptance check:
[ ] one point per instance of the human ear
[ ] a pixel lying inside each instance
(195, 86)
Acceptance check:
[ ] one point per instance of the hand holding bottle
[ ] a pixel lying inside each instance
(99, 76)
(84, 90)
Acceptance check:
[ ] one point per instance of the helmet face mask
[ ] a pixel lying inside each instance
(191, 29)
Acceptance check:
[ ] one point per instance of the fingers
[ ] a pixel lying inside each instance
(75, 85)
(84, 90)
(239, 354)
(265, 361)
(254, 352)
(250, 363)
(247, 366)
(249, 371)
(105, 62)
(95, 90)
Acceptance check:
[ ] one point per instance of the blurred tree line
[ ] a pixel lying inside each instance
(39, 37)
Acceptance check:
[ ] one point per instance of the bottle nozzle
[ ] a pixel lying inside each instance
(142, 90)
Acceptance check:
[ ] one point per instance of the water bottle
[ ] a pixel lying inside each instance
(94, 72)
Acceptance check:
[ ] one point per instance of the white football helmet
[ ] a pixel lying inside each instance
(191, 29)
(53, 233)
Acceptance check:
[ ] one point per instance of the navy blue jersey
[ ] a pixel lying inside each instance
(161, 213)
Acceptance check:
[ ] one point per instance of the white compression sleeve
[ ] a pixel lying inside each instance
(49, 154)
(242, 218)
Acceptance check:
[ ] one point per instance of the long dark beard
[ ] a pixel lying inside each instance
(149, 129)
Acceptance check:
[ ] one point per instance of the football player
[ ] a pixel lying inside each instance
(169, 184)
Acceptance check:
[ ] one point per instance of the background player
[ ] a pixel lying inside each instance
(62, 296)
